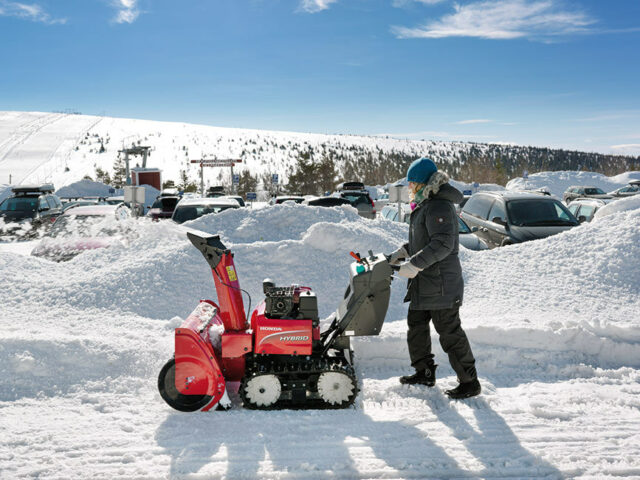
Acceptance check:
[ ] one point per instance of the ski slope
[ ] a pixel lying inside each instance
(59, 148)
(36, 147)
(553, 324)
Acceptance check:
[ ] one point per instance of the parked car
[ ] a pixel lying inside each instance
(237, 198)
(80, 203)
(464, 200)
(192, 208)
(285, 198)
(467, 237)
(84, 228)
(503, 218)
(627, 191)
(381, 201)
(585, 208)
(326, 202)
(30, 204)
(583, 191)
(117, 200)
(163, 206)
(359, 197)
(217, 191)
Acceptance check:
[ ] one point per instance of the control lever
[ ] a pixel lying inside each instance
(395, 268)
(356, 256)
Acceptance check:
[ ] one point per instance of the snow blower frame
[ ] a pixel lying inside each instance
(280, 358)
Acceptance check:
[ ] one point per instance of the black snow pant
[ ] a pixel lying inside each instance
(452, 338)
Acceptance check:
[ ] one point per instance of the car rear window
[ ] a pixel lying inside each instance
(357, 198)
(19, 204)
(191, 212)
(478, 206)
(166, 204)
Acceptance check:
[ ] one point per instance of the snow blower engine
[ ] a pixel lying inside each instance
(280, 358)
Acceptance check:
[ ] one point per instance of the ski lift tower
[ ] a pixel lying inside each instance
(141, 150)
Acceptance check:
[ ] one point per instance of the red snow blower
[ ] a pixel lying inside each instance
(281, 358)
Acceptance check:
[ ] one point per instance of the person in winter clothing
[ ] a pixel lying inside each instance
(435, 286)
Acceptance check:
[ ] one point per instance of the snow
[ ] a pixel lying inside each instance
(553, 324)
(38, 147)
(628, 204)
(558, 182)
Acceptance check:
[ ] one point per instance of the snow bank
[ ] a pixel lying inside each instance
(558, 182)
(629, 204)
(86, 188)
(553, 324)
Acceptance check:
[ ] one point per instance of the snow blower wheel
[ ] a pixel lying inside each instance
(336, 388)
(171, 395)
(261, 391)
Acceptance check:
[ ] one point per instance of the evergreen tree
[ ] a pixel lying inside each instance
(119, 173)
(303, 179)
(248, 183)
(102, 176)
(327, 174)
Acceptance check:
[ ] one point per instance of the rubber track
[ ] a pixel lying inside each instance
(289, 372)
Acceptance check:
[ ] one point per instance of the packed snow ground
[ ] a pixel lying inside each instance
(553, 324)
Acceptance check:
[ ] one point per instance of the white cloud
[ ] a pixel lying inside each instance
(476, 120)
(627, 147)
(28, 11)
(127, 11)
(314, 6)
(403, 3)
(503, 20)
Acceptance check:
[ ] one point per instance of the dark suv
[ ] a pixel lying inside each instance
(584, 192)
(503, 218)
(31, 203)
(359, 197)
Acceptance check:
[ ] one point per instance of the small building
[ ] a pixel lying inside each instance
(146, 176)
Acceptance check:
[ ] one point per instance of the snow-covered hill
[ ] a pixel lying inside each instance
(63, 148)
(553, 324)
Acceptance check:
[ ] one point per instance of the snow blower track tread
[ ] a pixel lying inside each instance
(299, 382)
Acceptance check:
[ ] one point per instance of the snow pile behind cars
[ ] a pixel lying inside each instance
(550, 321)
(558, 182)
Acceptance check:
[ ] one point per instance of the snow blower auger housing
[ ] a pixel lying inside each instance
(280, 357)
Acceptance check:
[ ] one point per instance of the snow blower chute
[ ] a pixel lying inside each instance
(281, 358)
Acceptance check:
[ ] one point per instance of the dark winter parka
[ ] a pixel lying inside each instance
(433, 247)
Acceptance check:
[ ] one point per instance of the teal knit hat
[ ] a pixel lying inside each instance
(420, 170)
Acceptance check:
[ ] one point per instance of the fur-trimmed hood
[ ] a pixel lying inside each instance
(438, 187)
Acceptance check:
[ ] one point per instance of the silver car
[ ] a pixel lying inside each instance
(467, 237)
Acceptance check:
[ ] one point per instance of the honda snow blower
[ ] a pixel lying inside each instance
(281, 358)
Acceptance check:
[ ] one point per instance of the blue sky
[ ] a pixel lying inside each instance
(559, 73)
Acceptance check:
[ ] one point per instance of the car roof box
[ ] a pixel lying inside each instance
(46, 188)
(351, 186)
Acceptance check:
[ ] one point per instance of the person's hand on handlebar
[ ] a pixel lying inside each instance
(398, 256)
(408, 270)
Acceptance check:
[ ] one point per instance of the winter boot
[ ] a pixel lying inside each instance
(421, 377)
(465, 390)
